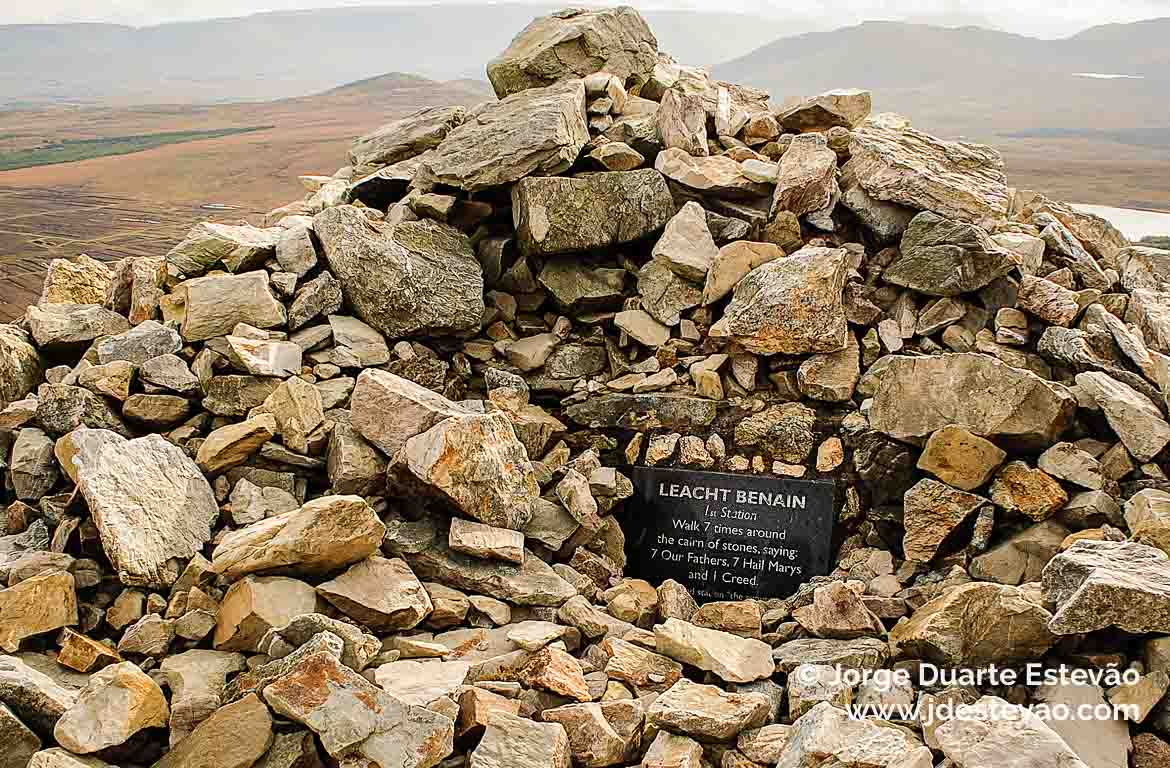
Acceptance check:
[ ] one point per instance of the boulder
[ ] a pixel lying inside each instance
(539, 131)
(196, 679)
(324, 535)
(388, 410)
(705, 712)
(562, 215)
(828, 735)
(20, 364)
(151, 503)
(933, 511)
(237, 248)
(142, 343)
(418, 277)
(940, 257)
(60, 325)
(510, 741)
(717, 176)
(1135, 419)
(234, 736)
(806, 181)
(406, 137)
(1098, 584)
(976, 624)
(730, 657)
(574, 43)
(576, 288)
(918, 395)
(789, 306)
(475, 462)
(955, 179)
(1031, 492)
(117, 703)
(845, 108)
(80, 280)
(379, 593)
(682, 122)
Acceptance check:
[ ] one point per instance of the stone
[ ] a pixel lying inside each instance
(940, 257)
(20, 743)
(216, 304)
(563, 215)
(510, 741)
(422, 682)
(576, 43)
(731, 658)
(899, 164)
(253, 605)
(237, 248)
(1065, 461)
(811, 685)
(617, 156)
(1148, 751)
(404, 138)
(324, 535)
(717, 176)
(235, 736)
(388, 410)
(355, 719)
(155, 412)
(784, 431)
(381, 594)
(553, 670)
(151, 503)
(665, 295)
(642, 327)
(60, 325)
(1052, 303)
(531, 583)
(32, 464)
(577, 289)
(136, 285)
(80, 280)
(118, 702)
(837, 611)
(733, 262)
(416, 277)
(602, 734)
(1031, 492)
(35, 698)
(827, 735)
(933, 512)
(918, 395)
(1020, 558)
(475, 462)
(112, 379)
(705, 712)
(20, 364)
(151, 635)
(1135, 419)
(486, 541)
(1137, 700)
(846, 108)
(669, 750)
(233, 444)
(318, 297)
(59, 758)
(992, 731)
(806, 180)
(959, 458)
(1150, 312)
(686, 245)
(36, 605)
(196, 679)
(682, 122)
(539, 131)
(832, 376)
(1097, 584)
(80, 653)
(641, 669)
(808, 286)
(62, 408)
(976, 624)
(364, 343)
(295, 251)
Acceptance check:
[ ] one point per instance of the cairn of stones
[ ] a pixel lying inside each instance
(345, 490)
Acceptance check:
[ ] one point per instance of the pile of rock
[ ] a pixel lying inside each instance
(343, 490)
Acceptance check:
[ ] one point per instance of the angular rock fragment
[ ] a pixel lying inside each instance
(40, 604)
(418, 277)
(1097, 584)
(118, 702)
(705, 712)
(562, 215)
(731, 658)
(807, 177)
(216, 304)
(575, 43)
(933, 512)
(789, 306)
(235, 736)
(381, 594)
(322, 536)
(947, 258)
(510, 741)
(1132, 416)
(238, 248)
(406, 137)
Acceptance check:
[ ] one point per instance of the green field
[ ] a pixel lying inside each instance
(84, 149)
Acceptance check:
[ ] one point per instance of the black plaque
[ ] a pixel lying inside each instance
(729, 537)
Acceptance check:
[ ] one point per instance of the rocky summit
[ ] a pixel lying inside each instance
(352, 486)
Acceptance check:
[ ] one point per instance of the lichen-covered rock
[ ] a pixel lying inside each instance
(1097, 584)
(900, 164)
(789, 306)
(561, 215)
(237, 248)
(417, 277)
(533, 132)
(406, 137)
(947, 258)
(574, 43)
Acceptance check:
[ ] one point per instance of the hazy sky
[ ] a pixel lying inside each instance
(1025, 16)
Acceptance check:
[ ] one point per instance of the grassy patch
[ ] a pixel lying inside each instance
(73, 150)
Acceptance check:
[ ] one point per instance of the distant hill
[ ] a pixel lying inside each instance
(984, 83)
(284, 54)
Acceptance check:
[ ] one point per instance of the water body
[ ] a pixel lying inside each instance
(1133, 223)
